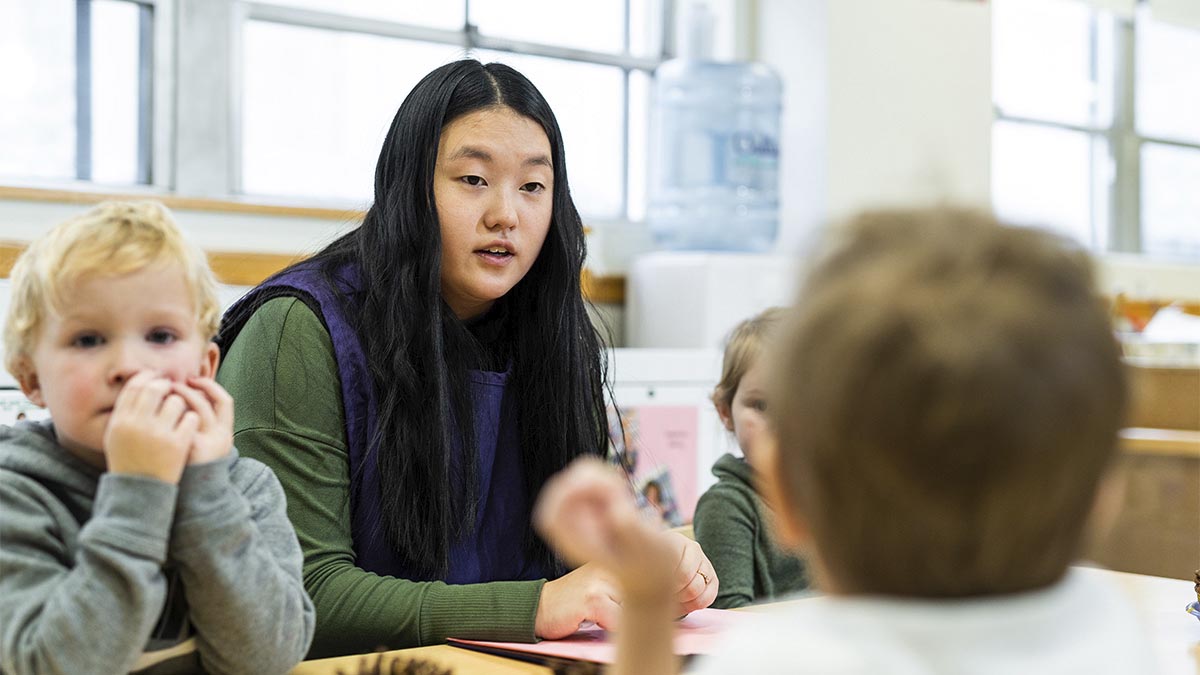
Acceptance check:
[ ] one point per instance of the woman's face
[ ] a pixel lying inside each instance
(493, 186)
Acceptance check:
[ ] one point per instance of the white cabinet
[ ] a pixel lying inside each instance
(693, 299)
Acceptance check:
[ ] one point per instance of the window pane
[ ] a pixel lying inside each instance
(1170, 200)
(646, 27)
(639, 139)
(595, 26)
(315, 109)
(1041, 65)
(1042, 176)
(115, 109)
(440, 14)
(591, 125)
(37, 89)
(1168, 80)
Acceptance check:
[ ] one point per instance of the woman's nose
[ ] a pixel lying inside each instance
(502, 212)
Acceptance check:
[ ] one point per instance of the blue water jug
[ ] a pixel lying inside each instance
(714, 152)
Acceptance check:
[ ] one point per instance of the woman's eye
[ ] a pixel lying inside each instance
(162, 337)
(473, 180)
(87, 341)
(533, 187)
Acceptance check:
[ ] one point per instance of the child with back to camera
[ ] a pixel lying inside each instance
(732, 520)
(945, 399)
(134, 538)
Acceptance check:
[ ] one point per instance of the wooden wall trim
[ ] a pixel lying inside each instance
(249, 269)
(604, 290)
(235, 268)
(181, 203)
(1161, 442)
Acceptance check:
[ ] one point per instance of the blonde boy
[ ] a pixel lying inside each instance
(945, 401)
(133, 538)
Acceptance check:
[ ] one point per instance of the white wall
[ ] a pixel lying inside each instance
(794, 39)
(1141, 277)
(886, 102)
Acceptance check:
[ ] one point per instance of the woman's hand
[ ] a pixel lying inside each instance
(589, 516)
(584, 594)
(695, 578)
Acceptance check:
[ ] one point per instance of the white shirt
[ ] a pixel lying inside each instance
(1083, 624)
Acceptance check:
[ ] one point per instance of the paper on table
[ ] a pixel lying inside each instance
(696, 634)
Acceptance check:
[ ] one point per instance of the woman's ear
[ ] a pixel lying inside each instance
(210, 360)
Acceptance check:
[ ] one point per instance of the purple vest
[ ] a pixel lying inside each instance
(494, 551)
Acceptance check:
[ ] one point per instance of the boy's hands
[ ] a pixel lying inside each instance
(157, 426)
(588, 515)
(214, 405)
(150, 429)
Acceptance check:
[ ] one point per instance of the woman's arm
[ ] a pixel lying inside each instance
(726, 527)
(284, 381)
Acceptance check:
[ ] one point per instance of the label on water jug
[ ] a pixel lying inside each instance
(714, 156)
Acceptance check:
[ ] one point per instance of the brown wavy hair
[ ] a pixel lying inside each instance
(947, 396)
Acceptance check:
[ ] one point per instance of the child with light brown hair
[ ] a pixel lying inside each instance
(732, 521)
(945, 400)
(133, 538)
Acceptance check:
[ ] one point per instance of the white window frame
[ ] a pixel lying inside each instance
(1124, 142)
(190, 144)
(206, 153)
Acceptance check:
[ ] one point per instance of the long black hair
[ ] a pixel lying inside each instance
(419, 353)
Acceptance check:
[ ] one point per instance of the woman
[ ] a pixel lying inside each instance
(416, 382)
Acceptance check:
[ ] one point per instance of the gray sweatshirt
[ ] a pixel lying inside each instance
(110, 573)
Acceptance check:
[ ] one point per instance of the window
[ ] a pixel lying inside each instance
(76, 90)
(290, 100)
(321, 79)
(1097, 130)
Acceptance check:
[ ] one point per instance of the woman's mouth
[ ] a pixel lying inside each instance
(495, 255)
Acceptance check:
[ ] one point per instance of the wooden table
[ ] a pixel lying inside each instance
(459, 661)
(1176, 636)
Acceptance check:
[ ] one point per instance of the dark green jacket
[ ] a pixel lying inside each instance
(288, 403)
(732, 526)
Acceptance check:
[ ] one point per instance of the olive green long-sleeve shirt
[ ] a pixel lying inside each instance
(283, 377)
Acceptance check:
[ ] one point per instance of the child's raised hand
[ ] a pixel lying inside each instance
(150, 429)
(588, 514)
(214, 405)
